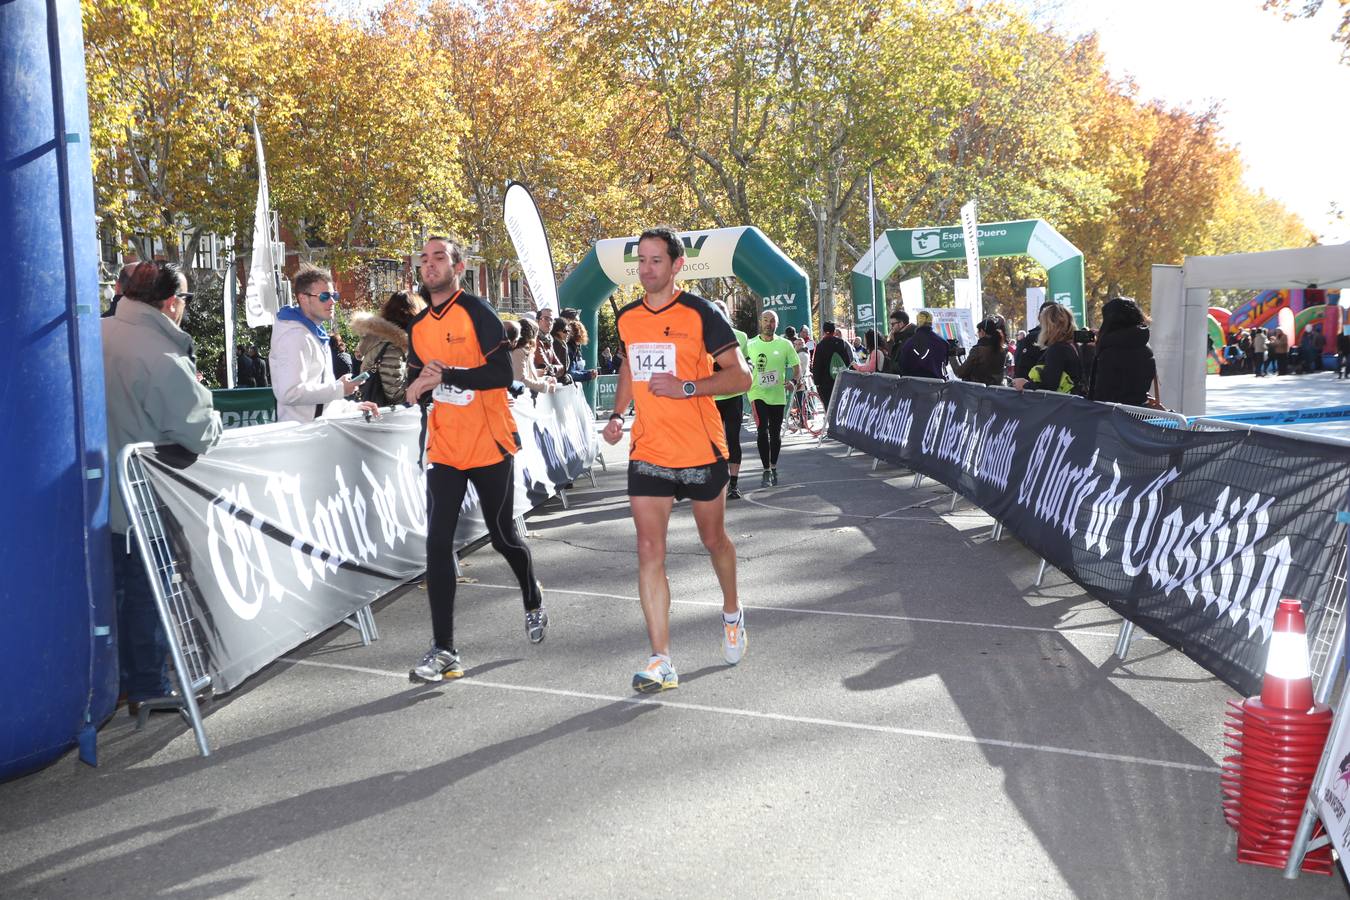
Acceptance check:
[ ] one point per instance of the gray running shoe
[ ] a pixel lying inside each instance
(437, 665)
(536, 625)
(764, 478)
(657, 676)
(773, 477)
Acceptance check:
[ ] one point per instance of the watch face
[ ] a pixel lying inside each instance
(689, 389)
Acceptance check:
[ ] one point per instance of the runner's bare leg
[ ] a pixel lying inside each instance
(651, 516)
(710, 516)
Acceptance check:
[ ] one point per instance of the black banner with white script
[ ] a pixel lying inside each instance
(282, 531)
(1195, 536)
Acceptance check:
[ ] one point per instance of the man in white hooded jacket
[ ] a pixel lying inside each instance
(301, 361)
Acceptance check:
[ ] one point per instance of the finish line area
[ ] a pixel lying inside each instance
(914, 716)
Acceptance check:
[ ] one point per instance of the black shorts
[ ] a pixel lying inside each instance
(694, 483)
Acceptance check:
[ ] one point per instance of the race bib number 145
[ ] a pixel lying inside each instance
(646, 359)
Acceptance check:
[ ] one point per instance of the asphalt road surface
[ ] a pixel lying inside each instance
(914, 718)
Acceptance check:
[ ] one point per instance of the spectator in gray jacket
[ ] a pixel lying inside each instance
(153, 394)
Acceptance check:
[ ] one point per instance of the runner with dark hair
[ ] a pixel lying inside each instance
(672, 341)
(459, 362)
(732, 409)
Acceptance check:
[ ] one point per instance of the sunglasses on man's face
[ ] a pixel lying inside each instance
(326, 296)
(185, 296)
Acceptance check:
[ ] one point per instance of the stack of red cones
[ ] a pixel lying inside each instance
(1277, 741)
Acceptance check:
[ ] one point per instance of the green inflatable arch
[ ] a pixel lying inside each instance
(1063, 261)
(742, 252)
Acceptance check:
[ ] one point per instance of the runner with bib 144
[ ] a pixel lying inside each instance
(681, 353)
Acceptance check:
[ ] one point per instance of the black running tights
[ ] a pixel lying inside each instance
(731, 410)
(770, 418)
(496, 487)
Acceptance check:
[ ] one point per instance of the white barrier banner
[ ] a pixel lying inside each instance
(283, 531)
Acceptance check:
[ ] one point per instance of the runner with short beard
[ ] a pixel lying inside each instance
(460, 362)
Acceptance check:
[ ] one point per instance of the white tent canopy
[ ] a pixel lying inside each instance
(1305, 267)
(1181, 304)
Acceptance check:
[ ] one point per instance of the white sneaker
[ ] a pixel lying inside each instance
(659, 675)
(734, 639)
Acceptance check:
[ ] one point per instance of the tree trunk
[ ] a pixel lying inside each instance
(172, 252)
(829, 266)
(822, 301)
(494, 283)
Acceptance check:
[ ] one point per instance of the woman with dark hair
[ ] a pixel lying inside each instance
(1060, 368)
(873, 359)
(576, 337)
(523, 334)
(987, 360)
(384, 347)
(1124, 368)
(342, 360)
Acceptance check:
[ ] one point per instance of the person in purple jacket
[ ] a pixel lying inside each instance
(924, 355)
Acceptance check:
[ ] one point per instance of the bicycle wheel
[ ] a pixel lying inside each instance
(814, 420)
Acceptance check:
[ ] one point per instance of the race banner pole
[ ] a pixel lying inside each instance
(872, 242)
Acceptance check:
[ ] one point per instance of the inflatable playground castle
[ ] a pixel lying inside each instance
(1293, 311)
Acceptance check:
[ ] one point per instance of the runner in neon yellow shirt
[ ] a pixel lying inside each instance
(773, 366)
(732, 409)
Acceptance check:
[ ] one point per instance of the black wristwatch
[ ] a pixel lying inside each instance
(619, 416)
(688, 388)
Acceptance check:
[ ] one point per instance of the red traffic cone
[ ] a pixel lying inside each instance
(1288, 683)
(1278, 739)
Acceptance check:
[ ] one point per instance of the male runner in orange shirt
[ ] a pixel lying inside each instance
(459, 359)
(678, 448)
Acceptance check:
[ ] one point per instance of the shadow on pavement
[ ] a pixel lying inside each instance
(205, 847)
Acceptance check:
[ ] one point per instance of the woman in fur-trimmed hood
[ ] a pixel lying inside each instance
(384, 345)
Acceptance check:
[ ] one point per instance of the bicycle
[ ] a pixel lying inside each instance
(805, 412)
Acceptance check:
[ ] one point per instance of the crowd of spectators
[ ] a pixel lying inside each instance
(1269, 351)
(1113, 364)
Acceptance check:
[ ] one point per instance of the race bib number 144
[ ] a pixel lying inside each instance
(646, 359)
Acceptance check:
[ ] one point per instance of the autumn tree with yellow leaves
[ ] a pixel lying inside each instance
(701, 113)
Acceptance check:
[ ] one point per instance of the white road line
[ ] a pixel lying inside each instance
(783, 717)
(749, 497)
(831, 612)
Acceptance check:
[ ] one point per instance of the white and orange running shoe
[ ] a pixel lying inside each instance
(734, 639)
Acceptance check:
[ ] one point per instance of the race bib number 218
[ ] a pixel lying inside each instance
(646, 359)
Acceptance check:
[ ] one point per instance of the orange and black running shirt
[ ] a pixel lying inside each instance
(469, 424)
(681, 338)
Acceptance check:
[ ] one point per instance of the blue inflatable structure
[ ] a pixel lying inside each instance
(58, 659)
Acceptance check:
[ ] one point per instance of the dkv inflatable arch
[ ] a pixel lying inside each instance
(743, 252)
